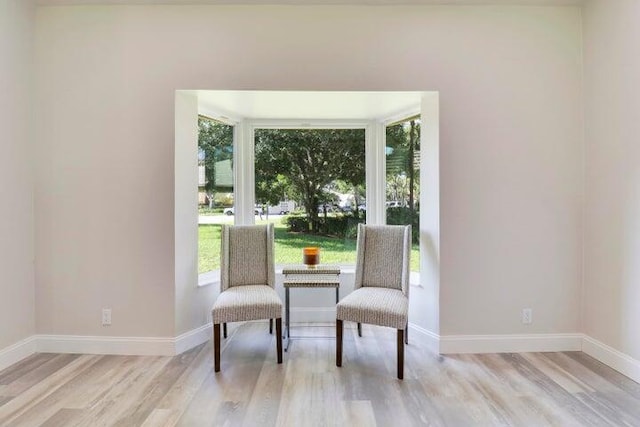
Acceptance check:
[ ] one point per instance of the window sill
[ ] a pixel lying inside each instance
(213, 277)
(209, 278)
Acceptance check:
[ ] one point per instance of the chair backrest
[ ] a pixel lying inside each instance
(247, 256)
(383, 254)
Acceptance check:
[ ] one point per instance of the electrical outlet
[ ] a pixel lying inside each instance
(106, 316)
(527, 316)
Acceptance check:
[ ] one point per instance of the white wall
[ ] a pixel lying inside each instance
(511, 172)
(192, 303)
(612, 213)
(510, 85)
(16, 182)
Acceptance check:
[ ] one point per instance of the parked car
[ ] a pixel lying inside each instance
(321, 208)
(230, 211)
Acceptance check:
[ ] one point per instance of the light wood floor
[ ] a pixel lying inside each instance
(533, 389)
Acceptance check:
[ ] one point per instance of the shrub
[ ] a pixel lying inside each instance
(341, 226)
(404, 216)
(297, 223)
(205, 210)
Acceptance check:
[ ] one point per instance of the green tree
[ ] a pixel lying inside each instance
(215, 147)
(403, 142)
(303, 162)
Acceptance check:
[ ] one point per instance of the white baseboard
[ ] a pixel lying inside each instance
(460, 344)
(193, 338)
(16, 352)
(611, 357)
(432, 340)
(451, 344)
(138, 346)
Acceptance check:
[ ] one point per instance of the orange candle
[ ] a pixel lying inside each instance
(311, 256)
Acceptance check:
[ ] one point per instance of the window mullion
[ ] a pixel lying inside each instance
(375, 173)
(244, 173)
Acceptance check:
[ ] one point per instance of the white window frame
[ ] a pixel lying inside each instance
(244, 167)
(375, 162)
(212, 277)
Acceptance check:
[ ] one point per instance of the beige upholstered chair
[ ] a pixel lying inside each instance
(247, 280)
(381, 291)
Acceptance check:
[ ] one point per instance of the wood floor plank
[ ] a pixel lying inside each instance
(624, 383)
(162, 418)
(529, 389)
(155, 391)
(62, 418)
(450, 413)
(359, 413)
(609, 408)
(312, 384)
(25, 366)
(245, 358)
(613, 402)
(263, 405)
(551, 390)
(307, 394)
(596, 374)
(177, 399)
(224, 396)
(457, 380)
(127, 393)
(523, 395)
(82, 391)
(494, 395)
(205, 403)
(558, 374)
(31, 398)
(37, 373)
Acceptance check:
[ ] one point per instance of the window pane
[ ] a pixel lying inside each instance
(403, 179)
(215, 189)
(311, 184)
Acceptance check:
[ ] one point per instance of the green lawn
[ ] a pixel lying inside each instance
(288, 248)
(208, 247)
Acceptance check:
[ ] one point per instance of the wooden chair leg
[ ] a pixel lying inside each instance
(271, 326)
(400, 354)
(339, 328)
(216, 347)
(279, 338)
(406, 334)
(359, 329)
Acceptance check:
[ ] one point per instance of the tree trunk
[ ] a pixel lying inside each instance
(311, 206)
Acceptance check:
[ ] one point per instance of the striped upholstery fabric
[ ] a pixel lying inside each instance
(243, 303)
(375, 306)
(381, 266)
(247, 256)
(381, 295)
(247, 276)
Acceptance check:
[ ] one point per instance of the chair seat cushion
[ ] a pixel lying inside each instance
(375, 306)
(243, 303)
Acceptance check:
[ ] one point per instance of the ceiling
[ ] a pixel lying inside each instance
(316, 2)
(296, 105)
